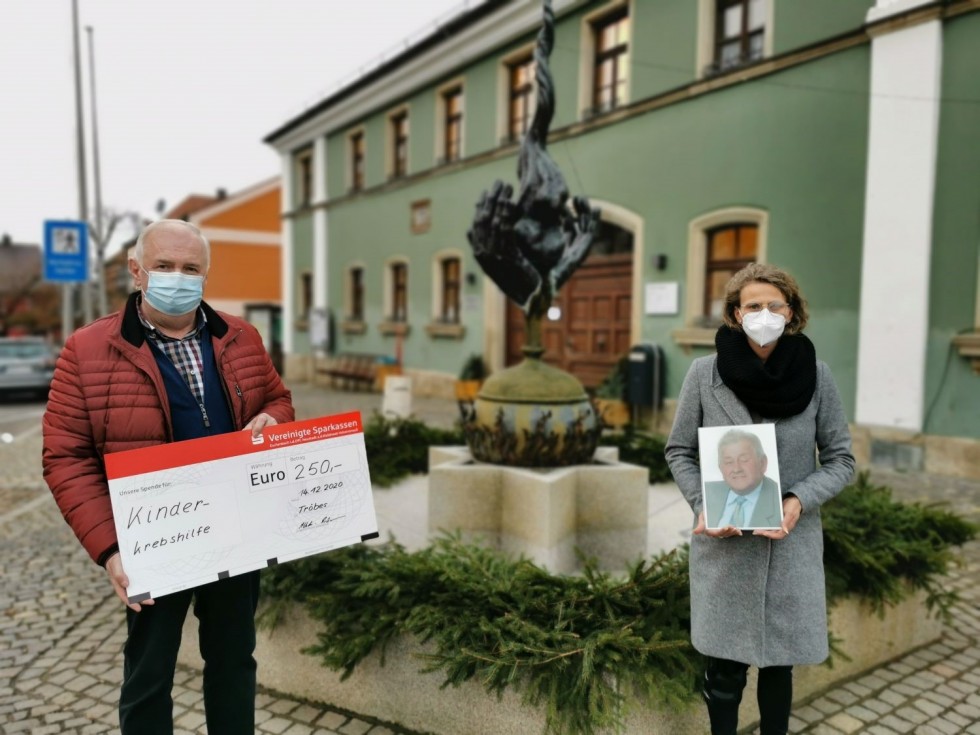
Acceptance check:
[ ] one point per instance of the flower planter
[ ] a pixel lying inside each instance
(613, 412)
(396, 692)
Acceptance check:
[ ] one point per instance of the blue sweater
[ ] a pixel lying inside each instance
(185, 411)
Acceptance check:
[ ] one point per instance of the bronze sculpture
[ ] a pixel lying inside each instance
(533, 414)
(531, 247)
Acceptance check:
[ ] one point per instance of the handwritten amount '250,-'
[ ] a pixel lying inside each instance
(313, 469)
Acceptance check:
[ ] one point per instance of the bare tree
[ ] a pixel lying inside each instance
(101, 232)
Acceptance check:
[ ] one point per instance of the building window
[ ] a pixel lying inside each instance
(357, 161)
(304, 178)
(521, 98)
(453, 124)
(739, 32)
(449, 304)
(719, 243)
(447, 286)
(399, 145)
(399, 292)
(356, 294)
(305, 295)
(611, 67)
(730, 248)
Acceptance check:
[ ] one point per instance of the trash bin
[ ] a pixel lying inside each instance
(646, 375)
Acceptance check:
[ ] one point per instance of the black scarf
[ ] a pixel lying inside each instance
(781, 386)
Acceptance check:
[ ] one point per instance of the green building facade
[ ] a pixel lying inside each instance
(837, 139)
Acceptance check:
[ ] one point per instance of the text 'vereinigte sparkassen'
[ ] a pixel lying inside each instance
(300, 434)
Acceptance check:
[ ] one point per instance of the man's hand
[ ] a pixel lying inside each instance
(724, 532)
(258, 423)
(120, 581)
(792, 510)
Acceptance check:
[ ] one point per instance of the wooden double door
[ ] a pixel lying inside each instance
(591, 328)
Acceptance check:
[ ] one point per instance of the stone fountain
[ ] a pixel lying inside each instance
(538, 485)
(533, 414)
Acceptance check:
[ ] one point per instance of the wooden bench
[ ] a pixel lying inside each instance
(351, 370)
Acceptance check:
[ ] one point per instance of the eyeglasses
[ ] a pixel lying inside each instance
(773, 306)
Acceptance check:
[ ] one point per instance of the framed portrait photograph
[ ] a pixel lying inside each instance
(740, 477)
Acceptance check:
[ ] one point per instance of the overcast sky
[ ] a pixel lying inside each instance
(186, 90)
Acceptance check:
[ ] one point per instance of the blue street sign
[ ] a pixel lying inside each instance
(65, 251)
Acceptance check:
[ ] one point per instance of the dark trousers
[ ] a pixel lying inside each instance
(723, 684)
(226, 611)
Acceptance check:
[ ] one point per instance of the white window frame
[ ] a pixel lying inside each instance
(440, 140)
(349, 158)
(304, 154)
(349, 290)
(438, 284)
(387, 282)
(302, 315)
(436, 328)
(390, 140)
(694, 331)
(707, 20)
(503, 89)
(587, 54)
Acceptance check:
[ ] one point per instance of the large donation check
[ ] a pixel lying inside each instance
(197, 511)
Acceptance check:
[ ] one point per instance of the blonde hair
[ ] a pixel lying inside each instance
(764, 273)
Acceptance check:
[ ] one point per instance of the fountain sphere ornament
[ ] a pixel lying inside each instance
(533, 414)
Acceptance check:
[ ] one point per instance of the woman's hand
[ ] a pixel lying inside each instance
(725, 532)
(792, 510)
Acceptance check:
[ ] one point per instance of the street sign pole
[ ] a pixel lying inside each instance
(67, 310)
(66, 262)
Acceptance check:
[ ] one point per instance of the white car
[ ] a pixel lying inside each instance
(26, 364)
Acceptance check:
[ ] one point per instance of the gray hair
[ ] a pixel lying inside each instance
(734, 436)
(169, 223)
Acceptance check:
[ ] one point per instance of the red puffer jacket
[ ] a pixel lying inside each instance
(108, 396)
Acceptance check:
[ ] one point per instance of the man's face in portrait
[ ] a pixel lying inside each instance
(741, 466)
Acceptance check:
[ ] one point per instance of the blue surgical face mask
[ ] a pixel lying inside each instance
(175, 294)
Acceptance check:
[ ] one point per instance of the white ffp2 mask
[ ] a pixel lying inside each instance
(763, 327)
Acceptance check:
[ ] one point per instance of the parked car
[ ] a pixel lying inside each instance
(26, 364)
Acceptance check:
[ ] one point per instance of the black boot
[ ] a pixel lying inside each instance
(775, 699)
(722, 692)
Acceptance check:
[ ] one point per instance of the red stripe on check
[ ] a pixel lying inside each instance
(194, 451)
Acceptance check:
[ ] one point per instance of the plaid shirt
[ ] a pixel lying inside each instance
(184, 352)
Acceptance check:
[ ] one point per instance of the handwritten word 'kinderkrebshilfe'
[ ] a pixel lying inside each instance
(144, 515)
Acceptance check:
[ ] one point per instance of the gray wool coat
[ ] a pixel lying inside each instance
(755, 600)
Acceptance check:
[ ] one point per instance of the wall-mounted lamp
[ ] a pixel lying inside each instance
(660, 261)
(471, 278)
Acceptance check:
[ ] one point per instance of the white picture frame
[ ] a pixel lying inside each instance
(731, 467)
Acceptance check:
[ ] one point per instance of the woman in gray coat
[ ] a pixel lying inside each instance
(759, 599)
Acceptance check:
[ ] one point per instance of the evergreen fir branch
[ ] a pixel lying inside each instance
(570, 643)
(399, 447)
(580, 646)
(881, 550)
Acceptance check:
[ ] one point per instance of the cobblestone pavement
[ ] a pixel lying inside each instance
(62, 630)
(932, 691)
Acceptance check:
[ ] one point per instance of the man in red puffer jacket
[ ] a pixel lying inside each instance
(166, 368)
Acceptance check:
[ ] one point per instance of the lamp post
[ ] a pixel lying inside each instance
(67, 311)
(99, 231)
